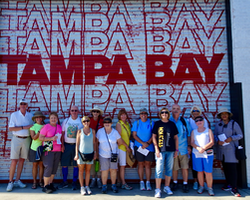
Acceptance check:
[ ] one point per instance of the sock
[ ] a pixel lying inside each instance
(75, 174)
(65, 173)
(185, 183)
(175, 181)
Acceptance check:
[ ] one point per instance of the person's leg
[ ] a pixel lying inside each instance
(113, 174)
(41, 170)
(169, 161)
(12, 169)
(87, 174)
(34, 171)
(148, 170)
(19, 168)
(209, 179)
(105, 177)
(140, 170)
(185, 175)
(232, 179)
(158, 171)
(81, 170)
(122, 174)
(176, 167)
(200, 176)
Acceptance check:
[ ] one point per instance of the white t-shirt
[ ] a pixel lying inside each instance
(104, 148)
(17, 119)
(70, 127)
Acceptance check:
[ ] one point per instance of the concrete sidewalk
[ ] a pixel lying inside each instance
(135, 194)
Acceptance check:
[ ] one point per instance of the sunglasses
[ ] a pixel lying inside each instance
(195, 111)
(74, 110)
(86, 121)
(107, 122)
(162, 112)
(95, 111)
(143, 113)
(199, 120)
(23, 104)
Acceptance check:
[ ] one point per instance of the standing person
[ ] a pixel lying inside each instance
(202, 141)
(123, 128)
(195, 112)
(70, 126)
(38, 118)
(51, 132)
(96, 122)
(20, 122)
(108, 140)
(226, 148)
(182, 157)
(165, 141)
(85, 144)
(142, 133)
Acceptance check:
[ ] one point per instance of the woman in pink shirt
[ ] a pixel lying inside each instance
(51, 132)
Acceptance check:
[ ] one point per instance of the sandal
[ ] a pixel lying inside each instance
(126, 186)
(34, 186)
(41, 184)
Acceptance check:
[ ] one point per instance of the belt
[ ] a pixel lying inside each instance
(70, 143)
(22, 137)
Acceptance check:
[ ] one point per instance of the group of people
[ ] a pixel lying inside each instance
(97, 150)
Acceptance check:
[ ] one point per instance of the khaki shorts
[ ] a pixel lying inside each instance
(19, 147)
(181, 162)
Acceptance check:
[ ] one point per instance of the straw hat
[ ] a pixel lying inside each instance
(96, 108)
(38, 114)
(221, 110)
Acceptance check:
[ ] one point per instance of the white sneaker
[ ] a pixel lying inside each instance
(88, 191)
(10, 186)
(167, 190)
(195, 186)
(148, 186)
(19, 184)
(83, 191)
(157, 193)
(142, 185)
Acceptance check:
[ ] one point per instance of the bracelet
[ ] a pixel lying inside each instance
(147, 143)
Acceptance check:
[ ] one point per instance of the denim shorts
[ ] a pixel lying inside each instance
(168, 160)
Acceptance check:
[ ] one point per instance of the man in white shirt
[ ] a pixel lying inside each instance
(20, 122)
(70, 126)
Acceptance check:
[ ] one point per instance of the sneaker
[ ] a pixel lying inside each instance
(157, 193)
(92, 184)
(200, 190)
(99, 183)
(52, 187)
(119, 185)
(126, 186)
(114, 188)
(19, 184)
(185, 188)
(205, 186)
(10, 186)
(83, 191)
(88, 191)
(142, 185)
(47, 189)
(63, 185)
(148, 186)
(74, 186)
(195, 186)
(226, 188)
(104, 189)
(174, 186)
(167, 190)
(210, 191)
(235, 192)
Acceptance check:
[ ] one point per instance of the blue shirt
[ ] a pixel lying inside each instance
(182, 135)
(144, 132)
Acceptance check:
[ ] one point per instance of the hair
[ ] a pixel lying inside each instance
(166, 110)
(54, 113)
(85, 118)
(121, 112)
(198, 108)
(108, 118)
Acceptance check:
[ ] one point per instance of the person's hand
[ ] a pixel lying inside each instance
(189, 150)
(128, 149)
(157, 154)
(228, 140)
(200, 149)
(220, 143)
(144, 145)
(62, 148)
(95, 156)
(54, 138)
(175, 154)
(76, 158)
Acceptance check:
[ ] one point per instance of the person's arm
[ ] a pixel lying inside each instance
(237, 133)
(94, 143)
(120, 141)
(157, 150)
(144, 144)
(33, 135)
(176, 145)
(118, 128)
(18, 128)
(211, 140)
(44, 139)
(77, 144)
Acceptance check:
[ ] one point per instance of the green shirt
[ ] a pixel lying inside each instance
(36, 143)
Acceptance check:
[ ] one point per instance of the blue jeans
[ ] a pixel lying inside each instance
(168, 158)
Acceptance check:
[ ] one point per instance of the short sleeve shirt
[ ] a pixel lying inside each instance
(36, 143)
(165, 132)
(17, 119)
(104, 148)
(51, 131)
(144, 132)
(93, 123)
(70, 127)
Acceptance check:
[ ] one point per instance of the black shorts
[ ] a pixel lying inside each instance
(141, 158)
(32, 156)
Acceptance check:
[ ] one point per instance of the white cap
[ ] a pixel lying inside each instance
(23, 101)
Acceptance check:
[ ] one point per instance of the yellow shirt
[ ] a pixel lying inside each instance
(125, 134)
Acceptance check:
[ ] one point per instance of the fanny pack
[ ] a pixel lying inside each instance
(87, 157)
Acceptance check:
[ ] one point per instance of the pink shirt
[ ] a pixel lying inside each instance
(50, 131)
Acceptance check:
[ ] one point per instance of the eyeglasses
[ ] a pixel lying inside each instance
(199, 120)
(86, 121)
(162, 112)
(143, 113)
(195, 111)
(74, 110)
(95, 111)
(23, 104)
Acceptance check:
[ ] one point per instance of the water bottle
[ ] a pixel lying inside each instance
(96, 165)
